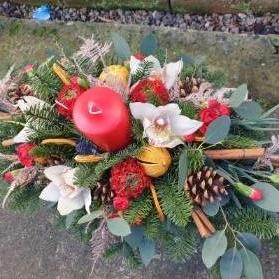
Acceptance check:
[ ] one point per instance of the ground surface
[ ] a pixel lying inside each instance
(31, 248)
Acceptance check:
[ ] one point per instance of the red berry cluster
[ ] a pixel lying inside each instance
(128, 181)
(24, 155)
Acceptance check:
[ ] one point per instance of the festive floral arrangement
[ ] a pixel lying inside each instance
(138, 153)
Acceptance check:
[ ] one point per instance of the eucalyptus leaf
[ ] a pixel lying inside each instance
(182, 169)
(218, 130)
(238, 96)
(135, 238)
(231, 265)
(149, 45)
(90, 217)
(212, 208)
(147, 251)
(118, 227)
(213, 248)
(250, 241)
(270, 200)
(121, 46)
(249, 110)
(252, 268)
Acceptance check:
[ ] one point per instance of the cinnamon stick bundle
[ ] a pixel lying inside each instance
(203, 224)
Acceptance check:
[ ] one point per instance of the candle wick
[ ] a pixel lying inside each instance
(93, 109)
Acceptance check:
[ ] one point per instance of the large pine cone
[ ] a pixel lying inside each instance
(205, 186)
(103, 193)
(18, 92)
(189, 86)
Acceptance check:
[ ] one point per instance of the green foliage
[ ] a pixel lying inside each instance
(44, 81)
(171, 197)
(113, 250)
(139, 208)
(250, 219)
(188, 109)
(195, 159)
(87, 175)
(25, 199)
(137, 129)
(237, 141)
(143, 71)
(62, 151)
(46, 123)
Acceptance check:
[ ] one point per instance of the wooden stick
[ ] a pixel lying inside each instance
(8, 142)
(203, 230)
(235, 154)
(205, 220)
(156, 203)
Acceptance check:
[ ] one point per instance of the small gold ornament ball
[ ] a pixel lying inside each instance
(155, 160)
(117, 72)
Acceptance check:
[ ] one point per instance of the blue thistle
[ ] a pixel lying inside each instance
(84, 147)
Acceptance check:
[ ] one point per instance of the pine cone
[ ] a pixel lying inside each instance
(189, 86)
(18, 92)
(103, 193)
(205, 186)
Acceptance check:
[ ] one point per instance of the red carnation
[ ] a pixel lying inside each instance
(128, 179)
(67, 97)
(214, 110)
(23, 152)
(149, 89)
(120, 203)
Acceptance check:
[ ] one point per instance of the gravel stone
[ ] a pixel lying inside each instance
(240, 23)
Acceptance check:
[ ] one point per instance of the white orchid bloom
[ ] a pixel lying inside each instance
(163, 125)
(25, 104)
(61, 189)
(169, 73)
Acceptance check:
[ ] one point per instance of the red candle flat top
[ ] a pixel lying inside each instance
(98, 110)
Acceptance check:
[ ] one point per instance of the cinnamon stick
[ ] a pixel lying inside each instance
(205, 221)
(235, 154)
(203, 230)
(7, 142)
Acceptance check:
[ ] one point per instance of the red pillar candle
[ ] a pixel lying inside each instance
(102, 116)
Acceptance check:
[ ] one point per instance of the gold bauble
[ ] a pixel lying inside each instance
(155, 160)
(118, 73)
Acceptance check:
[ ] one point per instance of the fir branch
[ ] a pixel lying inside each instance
(152, 226)
(139, 208)
(50, 150)
(181, 244)
(237, 141)
(188, 109)
(44, 82)
(251, 219)
(87, 175)
(195, 159)
(171, 197)
(143, 71)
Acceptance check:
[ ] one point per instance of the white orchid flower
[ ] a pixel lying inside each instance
(25, 104)
(61, 189)
(168, 74)
(163, 125)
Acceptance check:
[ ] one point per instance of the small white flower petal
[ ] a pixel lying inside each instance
(184, 126)
(169, 110)
(134, 64)
(156, 66)
(69, 176)
(29, 101)
(54, 173)
(87, 199)
(171, 72)
(142, 110)
(172, 143)
(66, 205)
(50, 193)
